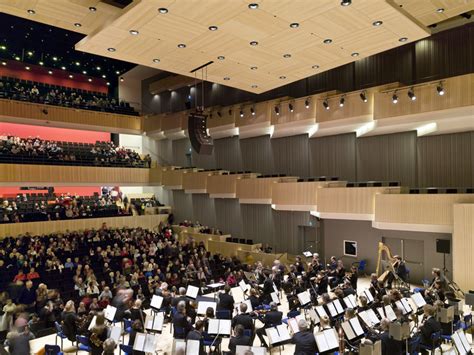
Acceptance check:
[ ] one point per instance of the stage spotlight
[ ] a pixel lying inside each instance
(230, 112)
(395, 98)
(277, 110)
(252, 111)
(219, 113)
(363, 96)
(306, 103)
(290, 107)
(346, 2)
(341, 102)
(326, 104)
(411, 94)
(241, 113)
(440, 89)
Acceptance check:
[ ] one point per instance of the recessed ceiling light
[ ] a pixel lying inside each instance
(282, 77)
(98, 68)
(17, 58)
(346, 2)
(3, 48)
(226, 78)
(121, 79)
(55, 58)
(287, 55)
(111, 49)
(327, 41)
(134, 32)
(40, 63)
(254, 43)
(253, 6)
(440, 10)
(108, 84)
(403, 39)
(181, 45)
(30, 53)
(213, 28)
(31, 12)
(77, 24)
(294, 25)
(104, 76)
(163, 10)
(70, 76)
(50, 72)
(377, 23)
(156, 60)
(77, 63)
(27, 68)
(355, 54)
(63, 68)
(117, 72)
(253, 68)
(89, 80)
(84, 72)
(4, 63)
(221, 57)
(92, 9)
(254, 86)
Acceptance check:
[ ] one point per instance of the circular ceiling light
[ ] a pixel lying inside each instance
(294, 25)
(163, 10)
(254, 43)
(253, 6)
(50, 72)
(181, 45)
(70, 76)
(440, 10)
(377, 23)
(403, 39)
(31, 12)
(156, 60)
(84, 72)
(111, 49)
(287, 55)
(89, 80)
(315, 66)
(104, 76)
(254, 86)
(346, 2)
(282, 77)
(226, 78)
(92, 9)
(327, 41)
(27, 68)
(41, 63)
(355, 54)
(134, 32)
(213, 28)
(253, 68)
(63, 68)
(77, 24)
(221, 57)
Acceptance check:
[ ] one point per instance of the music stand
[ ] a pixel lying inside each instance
(400, 332)
(370, 349)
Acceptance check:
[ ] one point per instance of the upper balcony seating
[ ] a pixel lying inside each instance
(37, 151)
(43, 93)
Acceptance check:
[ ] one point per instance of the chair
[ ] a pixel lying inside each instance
(127, 327)
(52, 350)
(223, 314)
(214, 341)
(435, 342)
(179, 333)
(83, 344)
(127, 349)
(361, 267)
(59, 333)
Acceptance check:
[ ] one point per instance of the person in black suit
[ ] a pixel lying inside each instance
(226, 301)
(190, 311)
(400, 269)
(428, 327)
(305, 343)
(239, 339)
(271, 318)
(244, 319)
(180, 320)
(390, 346)
(196, 334)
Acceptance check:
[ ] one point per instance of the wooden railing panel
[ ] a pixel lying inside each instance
(255, 190)
(196, 181)
(463, 245)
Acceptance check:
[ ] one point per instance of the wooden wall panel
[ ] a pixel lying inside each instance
(429, 209)
(291, 155)
(463, 246)
(390, 157)
(40, 228)
(256, 190)
(32, 113)
(333, 156)
(445, 160)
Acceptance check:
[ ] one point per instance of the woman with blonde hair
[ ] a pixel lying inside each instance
(69, 318)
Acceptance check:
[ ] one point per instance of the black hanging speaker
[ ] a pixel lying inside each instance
(197, 129)
(443, 246)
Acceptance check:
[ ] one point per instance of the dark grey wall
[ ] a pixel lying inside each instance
(367, 238)
(441, 161)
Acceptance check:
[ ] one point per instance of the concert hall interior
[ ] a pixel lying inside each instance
(236, 177)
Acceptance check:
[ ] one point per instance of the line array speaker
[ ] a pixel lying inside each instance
(197, 129)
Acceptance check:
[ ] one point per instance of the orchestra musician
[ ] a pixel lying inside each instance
(181, 321)
(390, 346)
(305, 343)
(245, 320)
(270, 319)
(399, 268)
(226, 301)
(239, 339)
(428, 326)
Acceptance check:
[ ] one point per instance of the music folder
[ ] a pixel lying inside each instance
(154, 323)
(109, 313)
(321, 311)
(338, 305)
(304, 298)
(368, 295)
(293, 323)
(313, 316)
(92, 323)
(461, 343)
(204, 305)
(327, 340)
(404, 306)
(219, 326)
(399, 331)
(275, 298)
(308, 254)
(387, 312)
(192, 292)
(352, 329)
(156, 302)
(145, 342)
(369, 318)
(243, 286)
(351, 301)
(278, 334)
(193, 347)
(115, 333)
(418, 300)
(255, 350)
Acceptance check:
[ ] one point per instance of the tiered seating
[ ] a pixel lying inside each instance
(27, 90)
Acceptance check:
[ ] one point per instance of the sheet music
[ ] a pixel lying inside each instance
(179, 346)
(256, 350)
(321, 342)
(275, 288)
(304, 298)
(308, 254)
(464, 340)
(350, 301)
(92, 325)
(203, 305)
(293, 323)
(321, 311)
(369, 296)
(192, 292)
(115, 333)
(401, 307)
(348, 330)
(459, 344)
(332, 309)
(366, 319)
(313, 316)
(390, 313)
(219, 326)
(332, 338)
(407, 305)
(381, 312)
(155, 323)
(192, 347)
(373, 317)
(338, 305)
(156, 302)
(109, 313)
(356, 326)
(243, 286)
(247, 302)
(139, 343)
(275, 297)
(418, 299)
